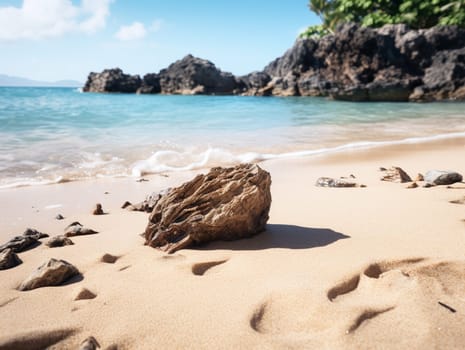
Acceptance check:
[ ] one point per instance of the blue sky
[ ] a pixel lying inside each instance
(63, 39)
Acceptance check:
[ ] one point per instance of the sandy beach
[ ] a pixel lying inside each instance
(338, 268)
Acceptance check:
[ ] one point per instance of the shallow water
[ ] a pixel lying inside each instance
(59, 134)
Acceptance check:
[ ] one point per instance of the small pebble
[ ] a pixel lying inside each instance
(98, 209)
(59, 217)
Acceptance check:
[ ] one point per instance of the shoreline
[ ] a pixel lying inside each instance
(139, 168)
(287, 287)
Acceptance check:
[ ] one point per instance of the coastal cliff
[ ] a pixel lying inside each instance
(356, 63)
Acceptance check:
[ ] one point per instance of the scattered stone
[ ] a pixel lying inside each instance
(30, 232)
(98, 210)
(225, 204)
(59, 217)
(413, 185)
(20, 243)
(85, 294)
(427, 185)
(420, 177)
(9, 259)
(59, 241)
(106, 192)
(148, 204)
(382, 169)
(109, 259)
(396, 174)
(89, 343)
(126, 204)
(441, 177)
(76, 229)
(142, 180)
(330, 182)
(51, 273)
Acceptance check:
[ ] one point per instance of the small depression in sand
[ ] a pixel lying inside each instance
(200, 269)
(377, 299)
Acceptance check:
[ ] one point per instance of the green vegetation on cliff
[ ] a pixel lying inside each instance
(376, 13)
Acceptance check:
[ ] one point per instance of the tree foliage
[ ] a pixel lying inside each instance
(376, 13)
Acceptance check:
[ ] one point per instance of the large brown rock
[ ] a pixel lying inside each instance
(52, 273)
(225, 204)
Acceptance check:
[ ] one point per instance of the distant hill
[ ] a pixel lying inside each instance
(6, 80)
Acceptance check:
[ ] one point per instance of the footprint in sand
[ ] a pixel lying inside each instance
(201, 268)
(387, 297)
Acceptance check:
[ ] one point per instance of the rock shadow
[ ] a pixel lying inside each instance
(282, 236)
(76, 279)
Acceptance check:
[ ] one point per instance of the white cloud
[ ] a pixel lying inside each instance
(133, 31)
(52, 18)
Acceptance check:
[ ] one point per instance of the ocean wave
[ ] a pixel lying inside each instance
(171, 161)
(33, 182)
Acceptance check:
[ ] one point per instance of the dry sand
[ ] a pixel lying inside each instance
(337, 268)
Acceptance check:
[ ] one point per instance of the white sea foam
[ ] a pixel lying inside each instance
(33, 182)
(169, 161)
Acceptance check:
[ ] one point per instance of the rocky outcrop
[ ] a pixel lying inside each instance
(193, 76)
(52, 273)
(112, 80)
(356, 63)
(224, 204)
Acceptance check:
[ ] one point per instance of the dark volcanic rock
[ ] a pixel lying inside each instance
(150, 84)
(225, 204)
(193, 76)
(52, 273)
(355, 63)
(254, 84)
(112, 80)
(391, 63)
(9, 259)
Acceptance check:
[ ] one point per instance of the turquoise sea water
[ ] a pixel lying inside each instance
(57, 134)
